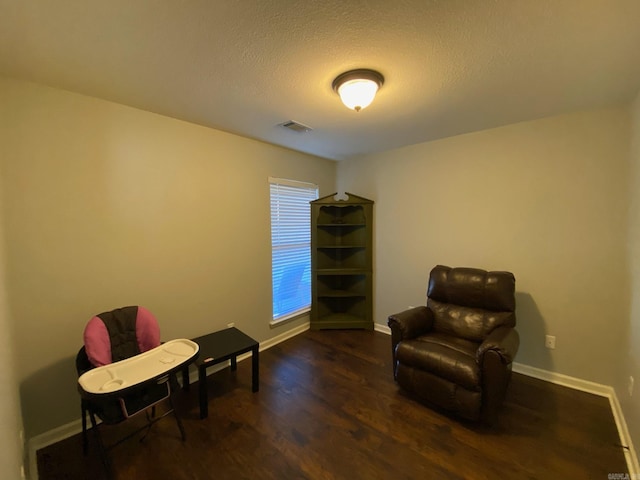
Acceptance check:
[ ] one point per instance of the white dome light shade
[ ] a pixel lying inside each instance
(358, 88)
(358, 94)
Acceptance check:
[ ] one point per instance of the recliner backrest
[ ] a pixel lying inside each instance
(469, 302)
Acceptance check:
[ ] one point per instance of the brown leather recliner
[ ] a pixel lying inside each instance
(456, 352)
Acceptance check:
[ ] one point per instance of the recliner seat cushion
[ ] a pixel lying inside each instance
(450, 358)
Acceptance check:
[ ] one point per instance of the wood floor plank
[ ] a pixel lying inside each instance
(328, 408)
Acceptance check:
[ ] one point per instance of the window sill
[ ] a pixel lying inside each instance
(289, 318)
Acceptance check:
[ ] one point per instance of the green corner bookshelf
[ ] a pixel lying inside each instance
(341, 262)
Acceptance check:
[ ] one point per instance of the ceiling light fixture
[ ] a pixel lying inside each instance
(358, 88)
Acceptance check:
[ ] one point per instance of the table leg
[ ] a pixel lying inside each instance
(202, 390)
(185, 379)
(255, 369)
(234, 363)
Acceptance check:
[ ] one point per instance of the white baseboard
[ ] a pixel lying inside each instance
(73, 428)
(284, 336)
(625, 438)
(382, 328)
(564, 380)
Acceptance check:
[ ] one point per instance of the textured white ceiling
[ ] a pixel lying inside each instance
(245, 66)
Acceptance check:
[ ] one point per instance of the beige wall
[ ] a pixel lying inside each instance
(109, 206)
(545, 199)
(631, 405)
(11, 445)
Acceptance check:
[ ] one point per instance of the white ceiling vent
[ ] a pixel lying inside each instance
(296, 127)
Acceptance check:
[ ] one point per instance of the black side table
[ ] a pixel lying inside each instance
(219, 347)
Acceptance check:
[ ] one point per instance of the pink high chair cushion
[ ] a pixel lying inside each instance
(97, 340)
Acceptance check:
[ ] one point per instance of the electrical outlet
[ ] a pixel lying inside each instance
(630, 386)
(550, 341)
(232, 324)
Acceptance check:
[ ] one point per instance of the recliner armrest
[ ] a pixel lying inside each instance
(406, 325)
(410, 323)
(504, 341)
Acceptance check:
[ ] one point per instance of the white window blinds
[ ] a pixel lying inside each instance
(291, 246)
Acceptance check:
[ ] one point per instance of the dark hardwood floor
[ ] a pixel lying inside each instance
(328, 408)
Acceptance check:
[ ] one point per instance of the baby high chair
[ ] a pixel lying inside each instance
(124, 370)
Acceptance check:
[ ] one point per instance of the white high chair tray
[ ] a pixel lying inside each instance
(140, 368)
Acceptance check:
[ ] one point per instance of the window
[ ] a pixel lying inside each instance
(291, 246)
